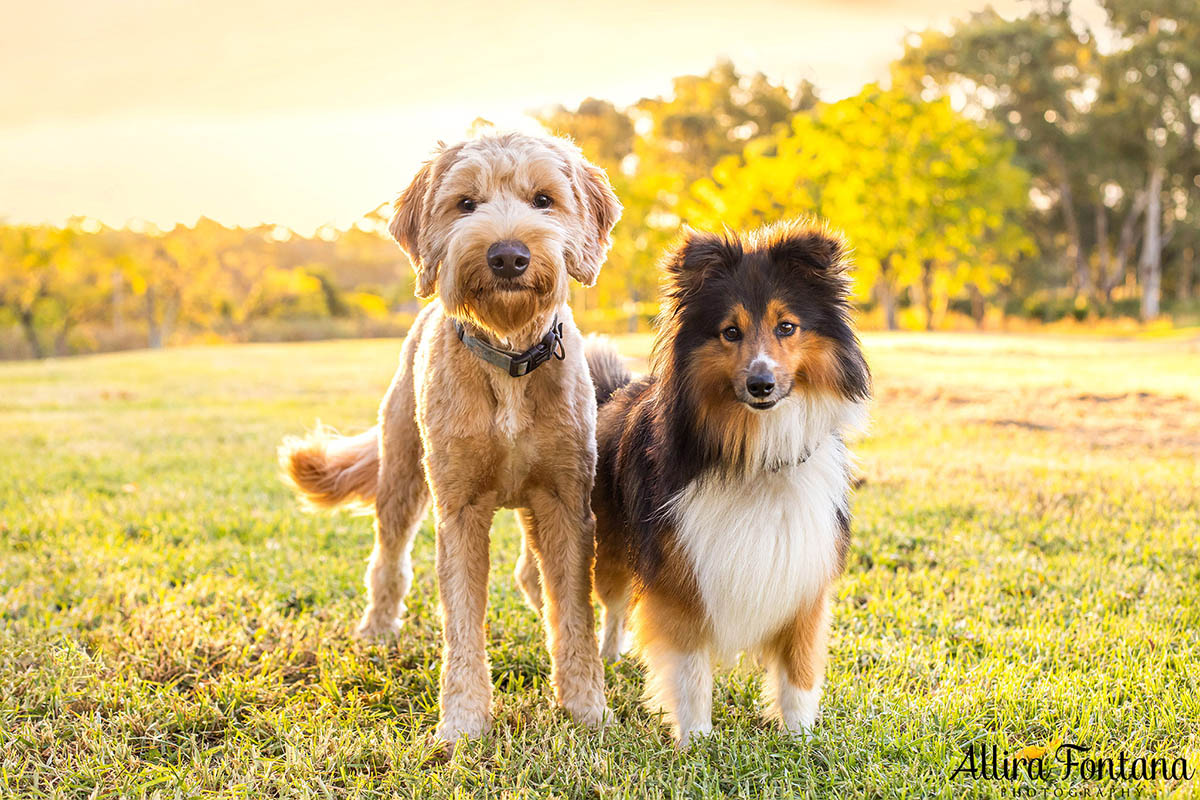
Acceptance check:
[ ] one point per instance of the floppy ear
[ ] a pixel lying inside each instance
(408, 220)
(600, 209)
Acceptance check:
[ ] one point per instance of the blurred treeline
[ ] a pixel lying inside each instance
(1015, 169)
(1030, 167)
(86, 287)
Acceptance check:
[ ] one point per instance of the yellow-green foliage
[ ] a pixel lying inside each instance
(927, 198)
(86, 286)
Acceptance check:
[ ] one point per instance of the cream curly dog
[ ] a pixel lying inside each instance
(495, 226)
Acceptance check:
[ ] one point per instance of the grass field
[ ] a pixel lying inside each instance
(1025, 569)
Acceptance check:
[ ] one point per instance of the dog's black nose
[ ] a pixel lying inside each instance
(508, 259)
(760, 385)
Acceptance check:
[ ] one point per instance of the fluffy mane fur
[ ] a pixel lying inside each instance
(674, 436)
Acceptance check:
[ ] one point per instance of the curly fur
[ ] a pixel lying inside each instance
(464, 437)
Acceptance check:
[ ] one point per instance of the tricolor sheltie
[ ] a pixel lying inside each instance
(722, 483)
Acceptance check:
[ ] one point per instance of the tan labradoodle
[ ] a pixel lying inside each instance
(492, 406)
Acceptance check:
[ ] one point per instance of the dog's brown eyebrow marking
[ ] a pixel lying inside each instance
(737, 315)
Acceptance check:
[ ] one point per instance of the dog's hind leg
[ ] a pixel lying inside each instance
(563, 538)
(527, 572)
(400, 507)
(401, 503)
(614, 588)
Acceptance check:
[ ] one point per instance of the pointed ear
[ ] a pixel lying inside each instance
(809, 245)
(824, 259)
(697, 254)
(600, 210)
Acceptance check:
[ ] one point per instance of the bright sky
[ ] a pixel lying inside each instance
(305, 112)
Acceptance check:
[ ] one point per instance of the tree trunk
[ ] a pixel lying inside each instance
(887, 298)
(118, 301)
(1075, 251)
(1186, 273)
(1083, 278)
(30, 329)
(887, 294)
(978, 309)
(169, 316)
(1104, 247)
(154, 330)
(60, 339)
(927, 292)
(1125, 244)
(1150, 263)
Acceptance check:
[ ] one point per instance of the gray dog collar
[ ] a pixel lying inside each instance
(517, 364)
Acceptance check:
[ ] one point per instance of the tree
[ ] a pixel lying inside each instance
(32, 262)
(1033, 76)
(1153, 78)
(605, 133)
(1111, 131)
(930, 200)
(708, 117)
(653, 152)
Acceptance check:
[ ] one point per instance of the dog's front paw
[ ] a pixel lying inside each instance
(457, 725)
(796, 726)
(610, 651)
(594, 715)
(377, 625)
(686, 737)
(800, 711)
(592, 711)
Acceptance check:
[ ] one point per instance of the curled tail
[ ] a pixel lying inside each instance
(608, 369)
(327, 469)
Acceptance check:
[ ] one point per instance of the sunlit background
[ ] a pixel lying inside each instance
(175, 172)
(303, 113)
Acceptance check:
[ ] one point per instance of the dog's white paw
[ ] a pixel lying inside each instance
(461, 724)
(800, 711)
(586, 704)
(614, 645)
(687, 737)
(593, 715)
(799, 721)
(375, 625)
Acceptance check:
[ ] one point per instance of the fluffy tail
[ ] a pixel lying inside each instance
(327, 469)
(608, 369)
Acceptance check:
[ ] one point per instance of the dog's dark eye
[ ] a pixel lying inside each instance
(785, 329)
(731, 334)
(466, 205)
(542, 200)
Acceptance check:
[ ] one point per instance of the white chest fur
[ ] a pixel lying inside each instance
(764, 543)
(513, 408)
